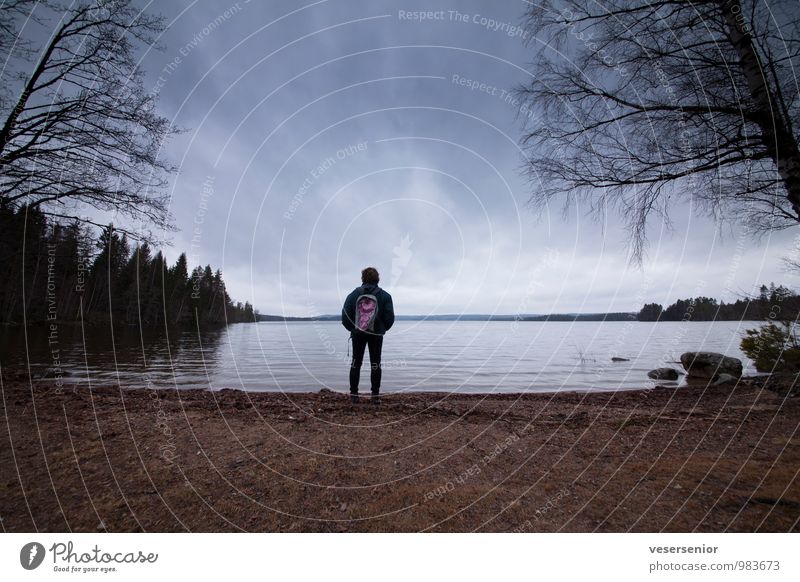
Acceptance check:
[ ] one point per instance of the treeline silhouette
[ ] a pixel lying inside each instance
(56, 272)
(773, 302)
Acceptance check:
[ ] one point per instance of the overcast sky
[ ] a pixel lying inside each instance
(327, 136)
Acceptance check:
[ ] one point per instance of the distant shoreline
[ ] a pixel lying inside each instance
(560, 317)
(622, 316)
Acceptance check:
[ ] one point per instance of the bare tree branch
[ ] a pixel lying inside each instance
(665, 100)
(82, 127)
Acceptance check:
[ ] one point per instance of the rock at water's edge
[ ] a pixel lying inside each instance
(725, 379)
(663, 374)
(710, 365)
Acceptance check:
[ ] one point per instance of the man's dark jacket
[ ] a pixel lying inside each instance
(385, 318)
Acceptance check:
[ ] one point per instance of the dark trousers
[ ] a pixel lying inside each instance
(360, 343)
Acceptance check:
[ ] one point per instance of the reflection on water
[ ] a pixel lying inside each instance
(130, 357)
(428, 355)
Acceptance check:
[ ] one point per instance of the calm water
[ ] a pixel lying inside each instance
(440, 355)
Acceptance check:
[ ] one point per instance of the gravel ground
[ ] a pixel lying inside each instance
(717, 458)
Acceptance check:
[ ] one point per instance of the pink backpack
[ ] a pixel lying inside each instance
(366, 312)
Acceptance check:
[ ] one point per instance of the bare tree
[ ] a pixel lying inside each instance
(14, 16)
(644, 102)
(11, 12)
(82, 130)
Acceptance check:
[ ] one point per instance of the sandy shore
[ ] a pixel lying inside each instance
(692, 459)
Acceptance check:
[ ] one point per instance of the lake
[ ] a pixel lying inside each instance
(418, 355)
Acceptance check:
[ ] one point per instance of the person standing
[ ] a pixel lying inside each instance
(368, 313)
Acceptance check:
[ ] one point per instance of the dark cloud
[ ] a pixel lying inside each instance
(340, 134)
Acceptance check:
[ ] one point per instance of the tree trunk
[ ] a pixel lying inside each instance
(777, 138)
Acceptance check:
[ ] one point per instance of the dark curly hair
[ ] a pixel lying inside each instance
(370, 275)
